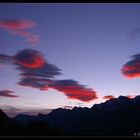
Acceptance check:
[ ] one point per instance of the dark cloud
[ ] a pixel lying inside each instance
(41, 84)
(73, 90)
(35, 71)
(7, 93)
(31, 63)
(108, 97)
(29, 58)
(132, 68)
(48, 70)
(20, 27)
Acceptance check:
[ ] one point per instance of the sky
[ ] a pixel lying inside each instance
(74, 54)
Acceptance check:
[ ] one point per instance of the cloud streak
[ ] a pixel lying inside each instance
(5, 58)
(132, 68)
(7, 93)
(73, 90)
(20, 27)
(41, 84)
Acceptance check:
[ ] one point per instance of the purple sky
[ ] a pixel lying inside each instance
(90, 43)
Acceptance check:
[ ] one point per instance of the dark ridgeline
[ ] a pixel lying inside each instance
(11, 127)
(115, 117)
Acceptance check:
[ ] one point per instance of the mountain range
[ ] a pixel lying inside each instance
(115, 117)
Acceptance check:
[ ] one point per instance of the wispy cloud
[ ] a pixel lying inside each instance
(20, 27)
(14, 24)
(7, 93)
(5, 58)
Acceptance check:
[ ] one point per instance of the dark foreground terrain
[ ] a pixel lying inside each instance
(116, 117)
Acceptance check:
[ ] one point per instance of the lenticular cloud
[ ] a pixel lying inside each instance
(73, 90)
(29, 58)
(38, 73)
(132, 68)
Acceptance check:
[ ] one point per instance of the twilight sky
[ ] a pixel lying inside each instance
(95, 47)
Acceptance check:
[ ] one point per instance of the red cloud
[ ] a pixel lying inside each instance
(14, 24)
(19, 27)
(29, 58)
(33, 67)
(132, 68)
(131, 71)
(6, 93)
(108, 97)
(73, 90)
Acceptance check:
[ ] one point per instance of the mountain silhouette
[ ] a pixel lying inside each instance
(23, 118)
(113, 104)
(115, 117)
(13, 127)
(3, 117)
(5, 124)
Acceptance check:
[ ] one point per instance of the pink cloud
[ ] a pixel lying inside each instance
(20, 27)
(13, 24)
